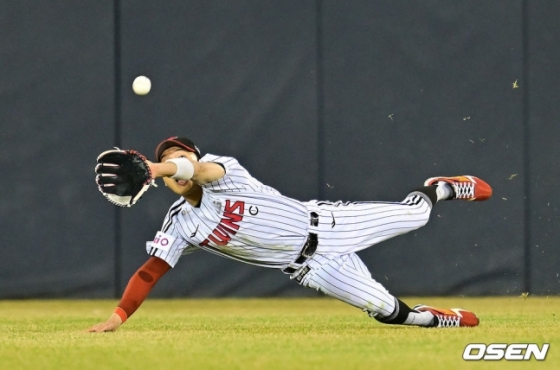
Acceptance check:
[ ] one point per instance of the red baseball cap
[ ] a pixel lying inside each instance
(181, 142)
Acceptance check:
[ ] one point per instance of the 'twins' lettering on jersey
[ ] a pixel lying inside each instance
(238, 217)
(228, 226)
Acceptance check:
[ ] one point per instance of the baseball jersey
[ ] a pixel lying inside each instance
(238, 218)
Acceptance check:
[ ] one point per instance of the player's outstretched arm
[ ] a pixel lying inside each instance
(187, 169)
(138, 288)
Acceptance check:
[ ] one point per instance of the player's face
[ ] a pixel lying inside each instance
(180, 187)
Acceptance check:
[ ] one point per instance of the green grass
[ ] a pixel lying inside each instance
(265, 334)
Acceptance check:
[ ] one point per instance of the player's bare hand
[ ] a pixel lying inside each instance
(154, 169)
(110, 325)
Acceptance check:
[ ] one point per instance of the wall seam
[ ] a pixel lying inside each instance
(526, 146)
(320, 99)
(118, 140)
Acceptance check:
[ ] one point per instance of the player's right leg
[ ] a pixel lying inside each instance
(352, 226)
(348, 279)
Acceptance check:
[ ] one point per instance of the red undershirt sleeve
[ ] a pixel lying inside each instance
(140, 285)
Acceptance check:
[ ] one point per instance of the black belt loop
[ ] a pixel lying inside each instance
(314, 219)
(311, 246)
(307, 251)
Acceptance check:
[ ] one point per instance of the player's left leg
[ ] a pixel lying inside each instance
(348, 279)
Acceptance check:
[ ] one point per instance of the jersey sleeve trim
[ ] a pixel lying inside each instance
(173, 211)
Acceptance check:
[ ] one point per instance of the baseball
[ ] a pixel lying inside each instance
(141, 85)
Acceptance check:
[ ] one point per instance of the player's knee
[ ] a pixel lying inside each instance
(417, 222)
(381, 309)
(422, 221)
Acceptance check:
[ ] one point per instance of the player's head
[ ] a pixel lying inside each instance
(175, 141)
(176, 147)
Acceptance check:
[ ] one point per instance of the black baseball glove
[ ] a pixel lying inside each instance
(123, 176)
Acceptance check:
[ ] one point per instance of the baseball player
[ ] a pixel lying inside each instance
(223, 210)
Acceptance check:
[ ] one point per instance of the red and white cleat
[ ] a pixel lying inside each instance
(450, 317)
(465, 187)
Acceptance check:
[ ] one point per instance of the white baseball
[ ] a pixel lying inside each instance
(141, 85)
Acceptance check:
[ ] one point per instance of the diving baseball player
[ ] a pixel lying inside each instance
(223, 210)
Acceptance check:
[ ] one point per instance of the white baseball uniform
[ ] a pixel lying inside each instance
(242, 219)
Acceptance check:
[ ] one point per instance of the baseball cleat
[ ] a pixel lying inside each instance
(465, 187)
(449, 317)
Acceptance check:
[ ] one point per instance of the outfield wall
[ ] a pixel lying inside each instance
(320, 99)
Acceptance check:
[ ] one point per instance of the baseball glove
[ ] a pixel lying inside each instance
(123, 176)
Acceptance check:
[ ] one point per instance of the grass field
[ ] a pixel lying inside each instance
(265, 334)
